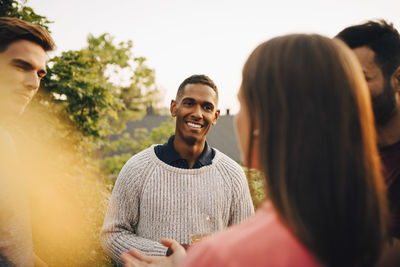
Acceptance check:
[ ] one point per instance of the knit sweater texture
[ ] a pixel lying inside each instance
(152, 200)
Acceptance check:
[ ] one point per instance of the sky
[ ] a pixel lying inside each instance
(213, 37)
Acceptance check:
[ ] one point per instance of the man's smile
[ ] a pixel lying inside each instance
(194, 125)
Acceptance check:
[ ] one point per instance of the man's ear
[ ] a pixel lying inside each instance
(395, 80)
(172, 108)
(216, 117)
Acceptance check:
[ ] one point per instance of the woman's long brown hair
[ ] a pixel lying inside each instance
(317, 146)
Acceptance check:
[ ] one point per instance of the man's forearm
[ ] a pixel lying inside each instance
(117, 242)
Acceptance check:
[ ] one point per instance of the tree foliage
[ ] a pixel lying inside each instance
(257, 185)
(76, 81)
(117, 152)
(15, 8)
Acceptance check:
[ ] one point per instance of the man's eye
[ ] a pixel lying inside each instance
(208, 108)
(21, 67)
(189, 104)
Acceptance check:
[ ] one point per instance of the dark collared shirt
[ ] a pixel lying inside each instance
(168, 155)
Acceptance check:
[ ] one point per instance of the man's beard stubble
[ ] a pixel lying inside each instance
(384, 104)
(189, 140)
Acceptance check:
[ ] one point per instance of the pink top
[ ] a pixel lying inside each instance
(261, 241)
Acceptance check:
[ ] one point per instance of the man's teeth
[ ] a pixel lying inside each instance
(194, 125)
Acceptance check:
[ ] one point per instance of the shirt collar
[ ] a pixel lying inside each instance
(206, 156)
(168, 154)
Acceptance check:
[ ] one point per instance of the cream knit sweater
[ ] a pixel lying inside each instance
(152, 200)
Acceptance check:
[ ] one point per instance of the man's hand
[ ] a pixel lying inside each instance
(134, 258)
(185, 246)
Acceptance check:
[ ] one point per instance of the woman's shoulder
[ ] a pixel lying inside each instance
(261, 241)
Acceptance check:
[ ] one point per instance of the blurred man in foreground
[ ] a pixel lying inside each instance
(23, 48)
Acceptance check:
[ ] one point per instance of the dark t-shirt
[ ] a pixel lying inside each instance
(390, 156)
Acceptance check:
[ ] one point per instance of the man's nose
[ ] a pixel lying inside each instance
(32, 81)
(197, 113)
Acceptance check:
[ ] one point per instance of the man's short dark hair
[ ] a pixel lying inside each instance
(197, 78)
(381, 37)
(14, 29)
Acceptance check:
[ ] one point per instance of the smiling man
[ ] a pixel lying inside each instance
(180, 189)
(23, 48)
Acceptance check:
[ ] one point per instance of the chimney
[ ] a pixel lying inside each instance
(149, 109)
